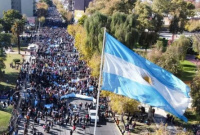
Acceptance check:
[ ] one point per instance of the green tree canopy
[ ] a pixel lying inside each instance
(127, 34)
(17, 29)
(82, 20)
(109, 7)
(161, 6)
(144, 14)
(2, 64)
(9, 18)
(1, 28)
(180, 10)
(120, 104)
(46, 1)
(94, 29)
(196, 43)
(42, 8)
(42, 20)
(5, 40)
(181, 45)
(195, 93)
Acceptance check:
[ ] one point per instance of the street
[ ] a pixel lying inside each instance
(104, 127)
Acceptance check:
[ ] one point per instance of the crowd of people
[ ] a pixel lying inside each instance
(55, 71)
(53, 18)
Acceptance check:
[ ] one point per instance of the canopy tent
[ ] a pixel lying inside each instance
(73, 95)
(32, 47)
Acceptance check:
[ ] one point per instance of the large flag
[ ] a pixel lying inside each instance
(127, 73)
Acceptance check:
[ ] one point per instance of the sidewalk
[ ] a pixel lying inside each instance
(143, 128)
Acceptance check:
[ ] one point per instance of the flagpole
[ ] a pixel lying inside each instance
(99, 85)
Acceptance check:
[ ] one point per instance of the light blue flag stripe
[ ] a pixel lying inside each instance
(114, 47)
(124, 73)
(141, 93)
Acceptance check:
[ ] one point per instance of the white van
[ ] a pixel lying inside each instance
(92, 115)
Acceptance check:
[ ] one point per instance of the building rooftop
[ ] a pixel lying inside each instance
(81, 4)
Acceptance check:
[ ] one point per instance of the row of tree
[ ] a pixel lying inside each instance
(132, 23)
(149, 15)
(66, 14)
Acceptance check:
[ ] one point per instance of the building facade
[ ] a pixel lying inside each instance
(26, 7)
(16, 5)
(79, 8)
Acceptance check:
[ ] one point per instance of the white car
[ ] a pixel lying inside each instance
(92, 115)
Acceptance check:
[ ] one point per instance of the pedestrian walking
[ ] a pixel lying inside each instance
(71, 132)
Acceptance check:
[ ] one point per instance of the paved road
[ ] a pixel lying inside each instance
(104, 127)
(168, 35)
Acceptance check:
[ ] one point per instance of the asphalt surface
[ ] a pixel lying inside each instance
(107, 127)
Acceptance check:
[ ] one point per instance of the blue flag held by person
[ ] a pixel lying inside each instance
(128, 74)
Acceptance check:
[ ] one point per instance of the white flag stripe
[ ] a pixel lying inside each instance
(136, 74)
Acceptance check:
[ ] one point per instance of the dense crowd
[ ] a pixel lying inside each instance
(55, 70)
(53, 18)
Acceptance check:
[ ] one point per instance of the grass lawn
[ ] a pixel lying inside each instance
(11, 74)
(22, 48)
(188, 70)
(4, 120)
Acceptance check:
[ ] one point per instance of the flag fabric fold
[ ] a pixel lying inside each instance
(127, 73)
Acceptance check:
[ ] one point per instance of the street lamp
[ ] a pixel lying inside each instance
(146, 33)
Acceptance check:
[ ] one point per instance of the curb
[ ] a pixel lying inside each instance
(118, 128)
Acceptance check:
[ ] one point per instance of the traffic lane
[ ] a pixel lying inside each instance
(107, 127)
(104, 127)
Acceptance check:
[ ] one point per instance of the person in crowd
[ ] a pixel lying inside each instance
(54, 70)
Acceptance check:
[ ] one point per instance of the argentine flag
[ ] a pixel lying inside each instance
(128, 74)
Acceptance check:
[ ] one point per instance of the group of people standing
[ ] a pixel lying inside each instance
(53, 70)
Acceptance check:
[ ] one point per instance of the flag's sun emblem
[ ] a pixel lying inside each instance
(147, 79)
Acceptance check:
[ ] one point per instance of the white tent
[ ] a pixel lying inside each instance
(32, 47)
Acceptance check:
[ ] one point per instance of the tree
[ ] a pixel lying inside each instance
(17, 29)
(2, 64)
(193, 25)
(182, 44)
(5, 40)
(161, 6)
(46, 1)
(94, 28)
(128, 34)
(154, 55)
(68, 16)
(121, 104)
(9, 18)
(144, 15)
(109, 7)
(1, 28)
(82, 20)
(42, 20)
(147, 39)
(196, 43)
(72, 29)
(180, 10)
(195, 86)
(42, 8)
